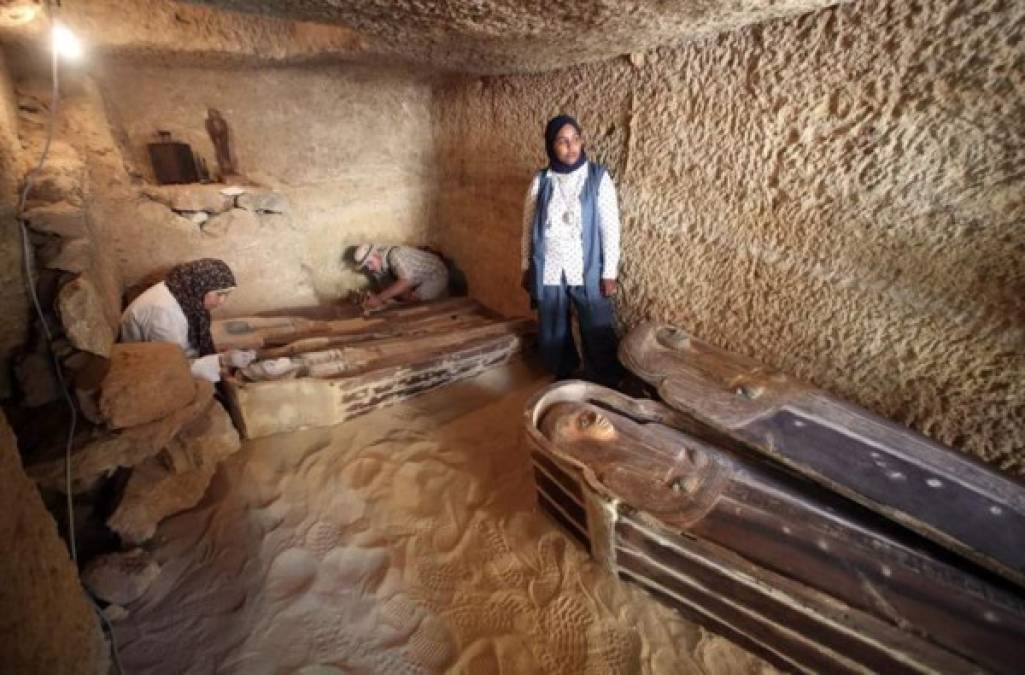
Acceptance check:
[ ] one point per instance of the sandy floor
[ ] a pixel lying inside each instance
(405, 541)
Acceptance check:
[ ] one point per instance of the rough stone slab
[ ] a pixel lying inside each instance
(146, 381)
(121, 578)
(104, 454)
(263, 202)
(88, 405)
(62, 219)
(205, 441)
(231, 223)
(277, 222)
(265, 408)
(74, 255)
(36, 379)
(161, 219)
(84, 318)
(207, 198)
(46, 623)
(153, 493)
(87, 370)
(53, 186)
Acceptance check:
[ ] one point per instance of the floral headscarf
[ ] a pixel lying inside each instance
(189, 283)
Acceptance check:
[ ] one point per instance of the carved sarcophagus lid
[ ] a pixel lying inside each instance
(797, 573)
(321, 367)
(945, 496)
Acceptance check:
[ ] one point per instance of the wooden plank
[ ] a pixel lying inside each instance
(265, 408)
(939, 493)
(375, 354)
(262, 331)
(348, 310)
(784, 528)
(421, 327)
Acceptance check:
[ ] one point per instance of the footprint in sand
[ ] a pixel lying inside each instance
(356, 569)
(323, 537)
(550, 554)
(431, 646)
(612, 648)
(362, 472)
(291, 572)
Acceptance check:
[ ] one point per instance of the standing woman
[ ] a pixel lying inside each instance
(570, 253)
(178, 310)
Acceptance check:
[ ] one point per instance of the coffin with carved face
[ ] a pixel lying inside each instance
(943, 495)
(809, 579)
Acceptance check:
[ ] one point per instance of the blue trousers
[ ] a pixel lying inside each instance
(597, 332)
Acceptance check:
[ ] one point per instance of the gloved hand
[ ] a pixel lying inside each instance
(238, 358)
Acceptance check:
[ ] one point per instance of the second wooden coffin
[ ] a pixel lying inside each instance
(945, 496)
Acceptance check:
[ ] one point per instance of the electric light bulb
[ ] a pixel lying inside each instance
(65, 43)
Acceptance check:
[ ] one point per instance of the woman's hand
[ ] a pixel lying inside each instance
(373, 302)
(608, 287)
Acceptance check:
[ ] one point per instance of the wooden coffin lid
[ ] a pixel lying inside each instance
(934, 490)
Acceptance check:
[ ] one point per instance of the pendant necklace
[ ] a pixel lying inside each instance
(566, 216)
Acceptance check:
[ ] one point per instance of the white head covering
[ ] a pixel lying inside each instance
(362, 254)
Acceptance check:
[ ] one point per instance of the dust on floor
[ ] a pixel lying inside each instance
(403, 541)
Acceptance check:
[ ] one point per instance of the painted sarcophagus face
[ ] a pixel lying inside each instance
(795, 571)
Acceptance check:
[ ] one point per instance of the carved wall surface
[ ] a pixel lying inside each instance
(13, 299)
(350, 148)
(838, 195)
(60, 633)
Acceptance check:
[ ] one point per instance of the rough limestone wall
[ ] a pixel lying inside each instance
(46, 623)
(350, 146)
(13, 299)
(839, 195)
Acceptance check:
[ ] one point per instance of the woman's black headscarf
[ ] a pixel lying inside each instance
(188, 283)
(551, 130)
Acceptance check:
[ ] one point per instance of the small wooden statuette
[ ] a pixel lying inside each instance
(217, 127)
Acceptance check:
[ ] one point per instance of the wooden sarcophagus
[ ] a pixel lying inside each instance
(321, 367)
(698, 508)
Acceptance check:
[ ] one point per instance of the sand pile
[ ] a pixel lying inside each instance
(404, 541)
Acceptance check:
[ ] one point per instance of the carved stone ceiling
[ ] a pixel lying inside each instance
(474, 36)
(498, 36)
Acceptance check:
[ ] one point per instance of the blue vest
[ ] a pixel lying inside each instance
(590, 232)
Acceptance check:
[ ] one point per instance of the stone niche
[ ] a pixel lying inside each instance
(327, 157)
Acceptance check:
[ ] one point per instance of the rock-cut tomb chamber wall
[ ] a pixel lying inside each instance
(839, 195)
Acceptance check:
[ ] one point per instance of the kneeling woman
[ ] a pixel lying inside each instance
(178, 310)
